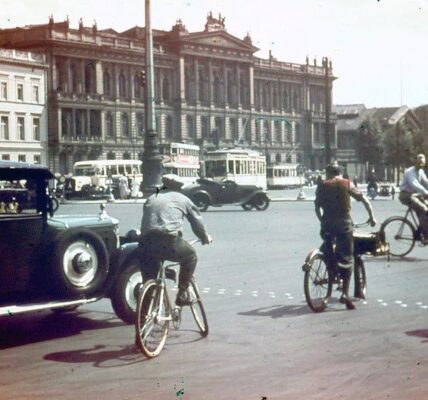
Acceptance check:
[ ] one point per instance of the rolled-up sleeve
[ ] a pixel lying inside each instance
(195, 219)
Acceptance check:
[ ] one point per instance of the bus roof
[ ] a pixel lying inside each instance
(107, 162)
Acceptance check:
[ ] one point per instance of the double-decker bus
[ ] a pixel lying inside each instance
(181, 159)
(245, 167)
(282, 176)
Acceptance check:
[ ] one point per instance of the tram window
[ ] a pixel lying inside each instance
(230, 167)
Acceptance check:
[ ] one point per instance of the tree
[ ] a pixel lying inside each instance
(369, 143)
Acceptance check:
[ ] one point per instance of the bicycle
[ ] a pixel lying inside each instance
(402, 233)
(155, 312)
(321, 275)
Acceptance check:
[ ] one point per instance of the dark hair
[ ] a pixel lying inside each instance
(332, 169)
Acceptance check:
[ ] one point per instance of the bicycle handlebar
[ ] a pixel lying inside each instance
(361, 224)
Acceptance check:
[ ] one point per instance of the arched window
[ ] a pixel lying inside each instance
(275, 98)
(231, 89)
(89, 77)
(111, 156)
(266, 133)
(295, 100)
(285, 100)
(203, 85)
(205, 127)
(109, 124)
(166, 90)
(122, 85)
(125, 125)
(60, 77)
(258, 136)
(189, 84)
(126, 155)
(298, 133)
(265, 95)
(106, 83)
(245, 97)
(278, 158)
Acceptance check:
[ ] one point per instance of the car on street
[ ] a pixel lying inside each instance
(207, 192)
(58, 262)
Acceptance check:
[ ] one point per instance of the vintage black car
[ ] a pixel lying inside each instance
(207, 192)
(58, 262)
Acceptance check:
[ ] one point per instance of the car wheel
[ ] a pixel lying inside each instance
(247, 206)
(78, 264)
(201, 201)
(125, 292)
(261, 202)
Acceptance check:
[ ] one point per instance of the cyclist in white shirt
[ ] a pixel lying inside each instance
(414, 191)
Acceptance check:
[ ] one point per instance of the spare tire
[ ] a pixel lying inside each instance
(78, 264)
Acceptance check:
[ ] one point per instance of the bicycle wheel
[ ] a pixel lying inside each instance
(197, 308)
(400, 234)
(317, 286)
(151, 324)
(359, 282)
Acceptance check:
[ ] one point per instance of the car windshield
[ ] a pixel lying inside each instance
(84, 171)
(19, 197)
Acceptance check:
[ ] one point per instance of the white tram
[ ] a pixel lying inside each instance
(282, 176)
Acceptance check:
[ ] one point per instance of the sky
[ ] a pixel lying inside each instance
(377, 47)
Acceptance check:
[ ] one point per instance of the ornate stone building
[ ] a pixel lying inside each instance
(210, 90)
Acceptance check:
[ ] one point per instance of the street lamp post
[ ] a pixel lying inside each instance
(151, 158)
(327, 113)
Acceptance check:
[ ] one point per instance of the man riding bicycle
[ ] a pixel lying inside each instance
(332, 207)
(413, 191)
(161, 228)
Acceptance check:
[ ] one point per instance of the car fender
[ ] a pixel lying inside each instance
(201, 191)
(251, 196)
(118, 261)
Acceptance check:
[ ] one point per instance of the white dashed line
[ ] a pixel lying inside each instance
(380, 300)
(398, 301)
(424, 307)
(254, 293)
(419, 303)
(403, 305)
(221, 291)
(384, 304)
(237, 292)
(206, 290)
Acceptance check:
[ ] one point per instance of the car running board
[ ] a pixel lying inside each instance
(14, 309)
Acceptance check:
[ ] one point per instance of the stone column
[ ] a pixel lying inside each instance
(131, 72)
(103, 126)
(88, 124)
(59, 124)
(99, 84)
(115, 81)
(196, 68)
(73, 122)
(81, 83)
(210, 83)
(181, 80)
(251, 86)
(238, 85)
(225, 85)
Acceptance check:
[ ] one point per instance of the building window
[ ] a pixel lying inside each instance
(165, 90)
(204, 127)
(4, 128)
(36, 128)
(3, 91)
(20, 128)
(20, 91)
(109, 125)
(169, 129)
(35, 93)
(122, 85)
(137, 86)
(5, 157)
(297, 133)
(22, 158)
(125, 125)
(233, 123)
(36, 159)
(278, 131)
(190, 126)
(140, 124)
(111, 156)
(106, 84)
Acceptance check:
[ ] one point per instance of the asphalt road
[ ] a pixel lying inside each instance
(264, 341)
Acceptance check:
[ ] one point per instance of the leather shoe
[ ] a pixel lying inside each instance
(347, 301)
(183, 298)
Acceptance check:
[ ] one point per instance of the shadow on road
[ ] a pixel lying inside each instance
(100, 356)
(278, 311)
(20, 330)
(422, 333)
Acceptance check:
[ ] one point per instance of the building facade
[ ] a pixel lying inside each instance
(210, 90)
(23, 113)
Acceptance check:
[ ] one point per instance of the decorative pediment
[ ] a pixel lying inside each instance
(219, 39)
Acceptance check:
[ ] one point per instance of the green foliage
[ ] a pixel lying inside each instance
(369, 142)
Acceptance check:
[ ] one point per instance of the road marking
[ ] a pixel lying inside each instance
(364, 302)
(254, 293)
(237, 292)
(403, 305)
(419, 303)
(221, 291)
(424, 307)
(398, 301)
(380, 300)
(206, 290)
(384, 304)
